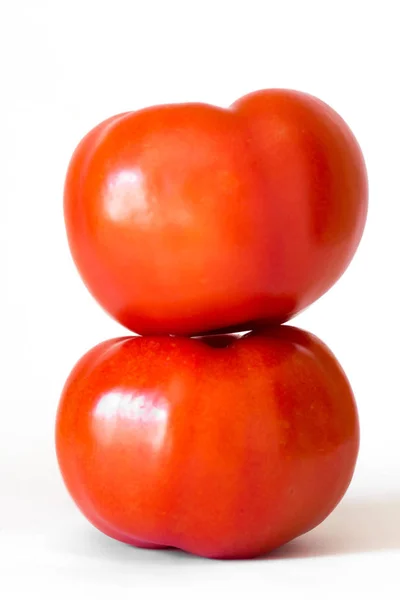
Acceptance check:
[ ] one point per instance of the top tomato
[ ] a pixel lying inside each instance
(189, 218)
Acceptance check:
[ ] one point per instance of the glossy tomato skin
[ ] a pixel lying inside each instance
(185, 219)
(225, 447)
(316, 175)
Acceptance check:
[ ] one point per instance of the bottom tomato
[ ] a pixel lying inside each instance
(225, 446)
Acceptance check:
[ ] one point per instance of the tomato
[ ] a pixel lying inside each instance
(191, 218)
(224, 446)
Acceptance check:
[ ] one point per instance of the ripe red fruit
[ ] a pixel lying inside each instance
(191, 218)
(222, 447)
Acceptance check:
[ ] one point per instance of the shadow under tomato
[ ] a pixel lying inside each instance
(86, 541)
(370, 524)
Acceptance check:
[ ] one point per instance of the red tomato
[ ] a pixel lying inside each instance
(223, 447)
(191, 218)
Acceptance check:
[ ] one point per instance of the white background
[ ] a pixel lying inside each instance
(65, 65)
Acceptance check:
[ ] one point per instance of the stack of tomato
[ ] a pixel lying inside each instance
(190, 223)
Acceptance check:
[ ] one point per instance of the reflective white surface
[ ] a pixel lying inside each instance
(65, 66)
